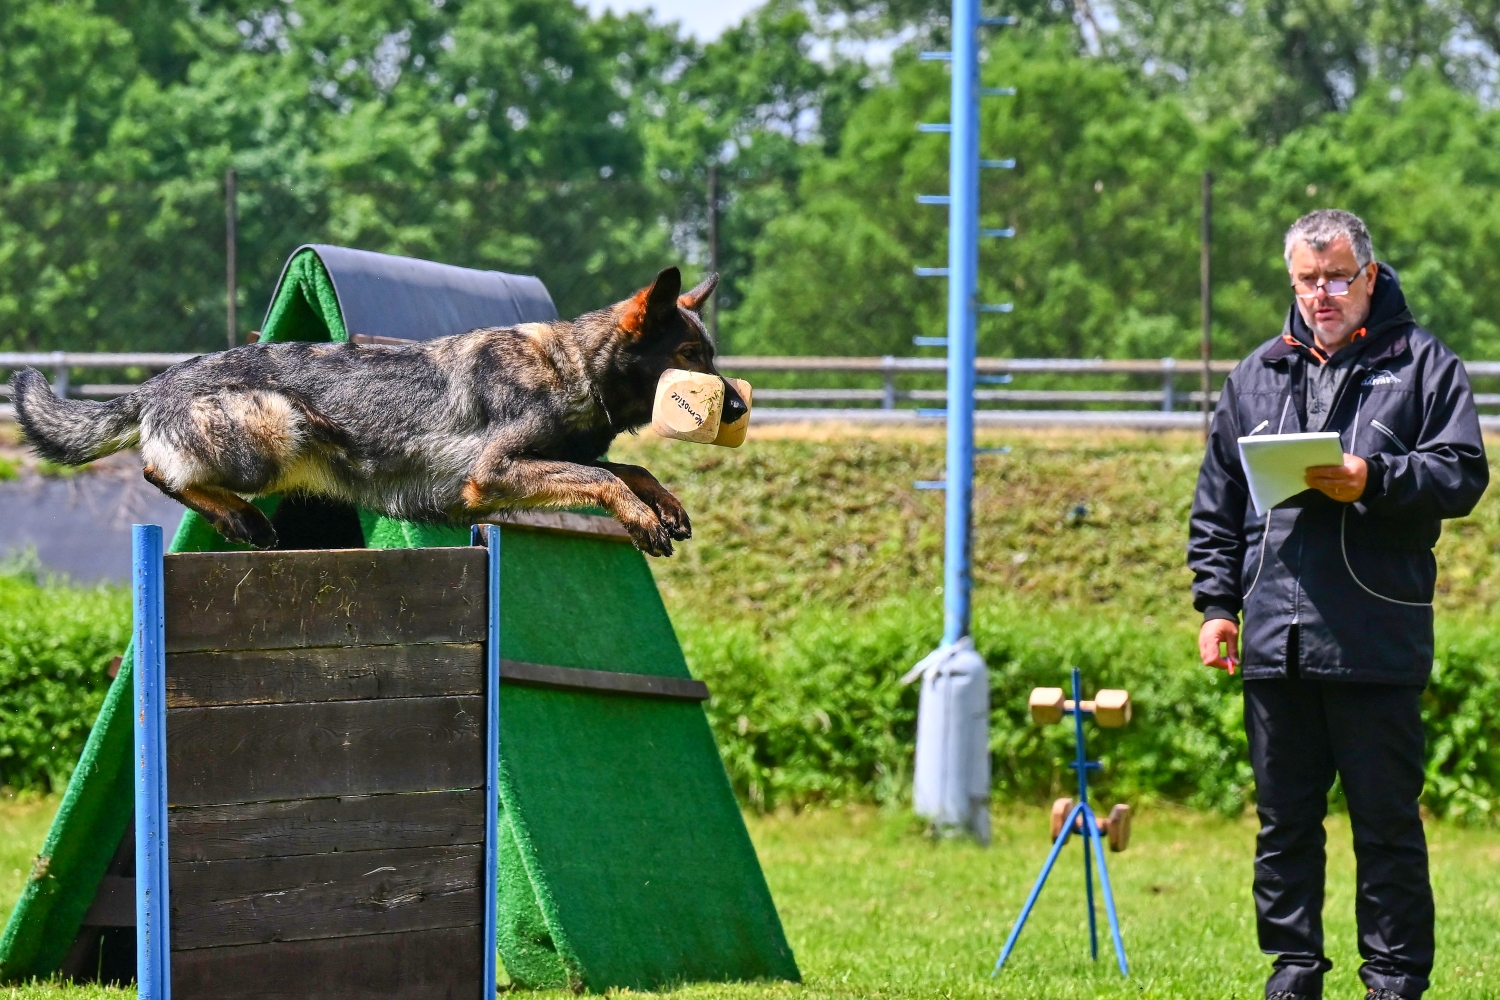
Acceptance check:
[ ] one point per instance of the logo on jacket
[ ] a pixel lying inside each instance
(1382, 377)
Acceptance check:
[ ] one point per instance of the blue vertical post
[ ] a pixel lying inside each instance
(1109, 901)
(1088, 813)
(963, 291)
(489, 534)
(152, 899)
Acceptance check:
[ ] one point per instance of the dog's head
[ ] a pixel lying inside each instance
(661, 327)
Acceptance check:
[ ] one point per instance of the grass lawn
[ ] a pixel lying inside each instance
(23, 824)
(875, 909)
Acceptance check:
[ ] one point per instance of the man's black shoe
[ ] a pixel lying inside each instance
(1289, 995)
(1383, 995)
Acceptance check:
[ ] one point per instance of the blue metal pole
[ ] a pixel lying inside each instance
(490, 536)
(1089, 823)
(152, 899)
(1083, 803)
(1109, 897)
(963, 290)
(1036, 889)
(1082, 757)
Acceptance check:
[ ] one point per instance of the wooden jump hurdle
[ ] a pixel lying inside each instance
(325, 727)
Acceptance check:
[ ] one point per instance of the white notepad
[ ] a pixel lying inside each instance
(1276, 464)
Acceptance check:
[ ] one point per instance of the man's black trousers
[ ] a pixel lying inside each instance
(1302, 733)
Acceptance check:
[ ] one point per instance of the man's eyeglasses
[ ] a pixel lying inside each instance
(1332, 287)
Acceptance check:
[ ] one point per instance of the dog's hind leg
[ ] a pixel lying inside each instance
(232, 516)
(502, 482)
(656, 496)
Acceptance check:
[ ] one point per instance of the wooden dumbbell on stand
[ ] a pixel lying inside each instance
(1109, 708)
(1115, 826)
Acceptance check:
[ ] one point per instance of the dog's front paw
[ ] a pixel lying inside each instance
(649, 534)
(673, 516)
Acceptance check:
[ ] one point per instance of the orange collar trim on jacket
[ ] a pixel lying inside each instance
(1317, 352)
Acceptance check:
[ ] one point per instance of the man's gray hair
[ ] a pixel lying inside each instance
(1320, 228)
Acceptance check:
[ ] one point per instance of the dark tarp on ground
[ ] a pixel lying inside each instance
(79, 525)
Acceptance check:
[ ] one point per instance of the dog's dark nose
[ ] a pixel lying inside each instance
(734, 406)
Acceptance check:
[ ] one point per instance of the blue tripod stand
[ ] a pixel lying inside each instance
(1110, 708)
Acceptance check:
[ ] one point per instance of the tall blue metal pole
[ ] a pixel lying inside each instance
(488, 535)
(963, 290)
(153, 904)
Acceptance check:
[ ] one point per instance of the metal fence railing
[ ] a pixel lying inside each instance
(893, 391)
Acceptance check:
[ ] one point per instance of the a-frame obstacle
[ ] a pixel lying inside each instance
(622, 857)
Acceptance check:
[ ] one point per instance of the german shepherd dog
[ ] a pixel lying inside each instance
(449, 430)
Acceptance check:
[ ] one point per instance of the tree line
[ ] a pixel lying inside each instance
(530, 136)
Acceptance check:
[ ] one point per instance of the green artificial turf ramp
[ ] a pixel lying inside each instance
(639, 866)
(624, 861)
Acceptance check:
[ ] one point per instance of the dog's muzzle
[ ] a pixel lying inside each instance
(734, 406)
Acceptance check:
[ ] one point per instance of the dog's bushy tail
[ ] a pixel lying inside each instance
(72, 431)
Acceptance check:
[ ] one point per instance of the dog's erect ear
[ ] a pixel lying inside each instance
(694, 298)
(647, 308)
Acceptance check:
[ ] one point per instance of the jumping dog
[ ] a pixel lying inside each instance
(448, 430)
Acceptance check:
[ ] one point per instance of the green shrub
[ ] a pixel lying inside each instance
(1462, 711)
(815, 713)
(56, 643)
(809, 709)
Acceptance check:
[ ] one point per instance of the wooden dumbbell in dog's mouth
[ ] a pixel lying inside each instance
(700, 407)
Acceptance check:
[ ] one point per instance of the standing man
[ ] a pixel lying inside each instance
(1335, 587)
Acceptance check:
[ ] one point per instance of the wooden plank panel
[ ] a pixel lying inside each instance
(328, 673)
(259, 900)
(419, 965)
(325, 825)
(336, 597)
(247, 753)
(602, 681)
(562, 522)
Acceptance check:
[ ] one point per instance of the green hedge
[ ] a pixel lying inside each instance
(815, 713)
(56, 643)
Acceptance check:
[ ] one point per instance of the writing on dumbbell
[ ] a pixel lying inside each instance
(688, 407)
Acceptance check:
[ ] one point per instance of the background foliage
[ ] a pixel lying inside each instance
(530, 136)
(56, 643)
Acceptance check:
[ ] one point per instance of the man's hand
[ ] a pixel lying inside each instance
(1344, 483)
(1214, 632)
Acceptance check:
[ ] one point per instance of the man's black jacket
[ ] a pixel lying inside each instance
(1357, 579)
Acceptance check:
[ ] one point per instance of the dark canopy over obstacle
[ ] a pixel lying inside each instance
(624, 859)
(378, 296)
